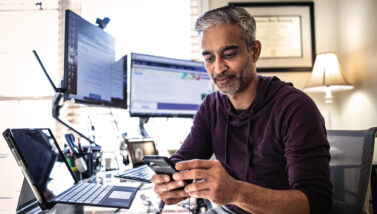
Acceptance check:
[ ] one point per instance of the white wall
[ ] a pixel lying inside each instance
(357, 38)
(23, 28)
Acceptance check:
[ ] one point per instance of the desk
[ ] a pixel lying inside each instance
(146, 201)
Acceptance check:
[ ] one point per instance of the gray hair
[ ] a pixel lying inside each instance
(228, 15)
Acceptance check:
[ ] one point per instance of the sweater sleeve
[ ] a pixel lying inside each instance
(307, 153)
(197, 144)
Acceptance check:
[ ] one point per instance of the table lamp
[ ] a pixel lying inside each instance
(327, 76)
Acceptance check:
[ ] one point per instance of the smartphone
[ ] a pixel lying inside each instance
(161, 165)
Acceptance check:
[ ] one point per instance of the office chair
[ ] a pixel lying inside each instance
(350, 168)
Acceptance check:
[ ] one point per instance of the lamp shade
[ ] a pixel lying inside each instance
(327, 72)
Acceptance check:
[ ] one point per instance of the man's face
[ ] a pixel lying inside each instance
(227, 58)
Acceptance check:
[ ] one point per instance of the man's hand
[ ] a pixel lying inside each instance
(214, 182)
(164, 187)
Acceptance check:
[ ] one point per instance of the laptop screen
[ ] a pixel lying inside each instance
(43, 161)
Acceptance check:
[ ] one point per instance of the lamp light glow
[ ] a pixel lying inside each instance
(327, 76)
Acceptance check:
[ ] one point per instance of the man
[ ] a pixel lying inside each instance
(269, 138)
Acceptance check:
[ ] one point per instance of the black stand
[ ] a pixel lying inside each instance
(56, 106)
(56, 112)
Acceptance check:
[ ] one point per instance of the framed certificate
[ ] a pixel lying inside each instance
(286, 31)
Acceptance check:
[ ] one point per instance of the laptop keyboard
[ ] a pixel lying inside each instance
(85, 193)
(141, 173)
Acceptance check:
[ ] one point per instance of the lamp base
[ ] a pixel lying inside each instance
(328, 101)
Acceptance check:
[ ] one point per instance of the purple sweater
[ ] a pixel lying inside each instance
(279, 142)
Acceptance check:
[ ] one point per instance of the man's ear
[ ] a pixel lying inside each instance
(256, 48)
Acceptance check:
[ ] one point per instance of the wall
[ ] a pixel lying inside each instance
(25, 93)
(348, 28)
(357, 50)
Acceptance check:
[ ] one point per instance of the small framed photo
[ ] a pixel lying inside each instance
(286, 32)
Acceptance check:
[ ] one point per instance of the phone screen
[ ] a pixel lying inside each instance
(160, 164)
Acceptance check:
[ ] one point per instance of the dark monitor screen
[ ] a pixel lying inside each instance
(166, 87)
(91, 75)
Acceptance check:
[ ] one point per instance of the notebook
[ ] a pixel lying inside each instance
(137, 148)
(50, 177)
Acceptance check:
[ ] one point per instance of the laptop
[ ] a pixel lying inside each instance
(137, 148)
(50, 177)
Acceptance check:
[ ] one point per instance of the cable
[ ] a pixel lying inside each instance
(122, 135)
(161, 206)
(189, 205)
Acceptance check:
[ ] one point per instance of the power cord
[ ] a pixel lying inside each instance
(185, 205)
(147, 201)
(188, 206)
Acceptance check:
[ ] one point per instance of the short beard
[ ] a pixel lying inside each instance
(241, 81)
(232, 91)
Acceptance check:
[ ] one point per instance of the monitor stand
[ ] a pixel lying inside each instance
(56, 106)
(143, 131)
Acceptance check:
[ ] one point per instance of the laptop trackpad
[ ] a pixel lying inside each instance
(120, 196)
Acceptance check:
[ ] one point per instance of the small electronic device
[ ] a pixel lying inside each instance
(160, 164)
(137, 148)
(141, 173)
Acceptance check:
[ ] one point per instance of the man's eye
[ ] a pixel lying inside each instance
(208, 59)
(229, 55)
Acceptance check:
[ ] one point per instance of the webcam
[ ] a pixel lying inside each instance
(102, 23)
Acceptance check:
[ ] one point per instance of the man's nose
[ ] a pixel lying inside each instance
(220, 66)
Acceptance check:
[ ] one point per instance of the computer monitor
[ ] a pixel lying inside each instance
(91, 75)
(166, 87)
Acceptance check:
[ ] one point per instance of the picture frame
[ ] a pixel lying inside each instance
(286, 32)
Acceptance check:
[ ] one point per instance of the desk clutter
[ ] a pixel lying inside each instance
(85, 161)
